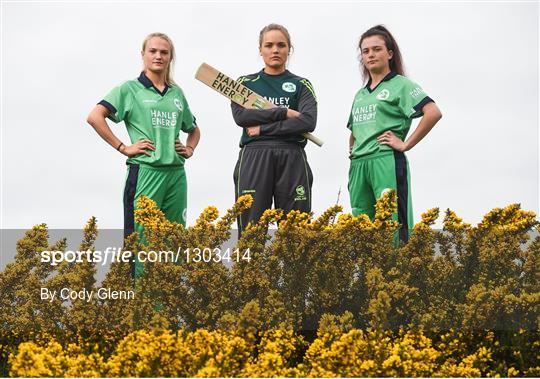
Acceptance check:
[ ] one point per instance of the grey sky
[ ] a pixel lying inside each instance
(479, 61)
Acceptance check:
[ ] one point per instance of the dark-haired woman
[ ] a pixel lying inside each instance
(272, 163)
(380, 119)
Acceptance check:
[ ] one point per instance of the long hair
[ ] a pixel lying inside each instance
(168, 75)
(396, 63)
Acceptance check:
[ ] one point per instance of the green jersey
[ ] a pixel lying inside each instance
(390, 106)
(285, 90)
(151, 114)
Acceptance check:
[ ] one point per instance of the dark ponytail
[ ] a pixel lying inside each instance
(396, 63)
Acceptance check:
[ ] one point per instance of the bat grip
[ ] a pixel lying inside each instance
(317, 141)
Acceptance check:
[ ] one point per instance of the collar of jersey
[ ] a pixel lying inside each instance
(388, 76)
(286, 72)
(145, 81)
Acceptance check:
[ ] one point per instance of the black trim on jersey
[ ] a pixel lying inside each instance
(109, 106)
(284, 73)
(388, 76)
(194, 125)
(145, 81)
(402, 194)
(254, 77)
(129, 206)
(418, 107)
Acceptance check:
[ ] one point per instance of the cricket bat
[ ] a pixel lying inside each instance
(238, 93)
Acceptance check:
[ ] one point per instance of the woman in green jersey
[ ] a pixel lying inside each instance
(272, 164)
(154, 110)
(380, 118)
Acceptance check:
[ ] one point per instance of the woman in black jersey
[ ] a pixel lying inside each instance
(272, 164)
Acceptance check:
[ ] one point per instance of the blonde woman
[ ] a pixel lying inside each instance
(154, 110)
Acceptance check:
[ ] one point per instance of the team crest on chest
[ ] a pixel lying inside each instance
(178, 104)
(288, 87)
(383, 95)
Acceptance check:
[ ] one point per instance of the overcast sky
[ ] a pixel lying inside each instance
(478, 61)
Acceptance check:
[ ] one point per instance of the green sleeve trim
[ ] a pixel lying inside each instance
(243, 79)
(309, 86)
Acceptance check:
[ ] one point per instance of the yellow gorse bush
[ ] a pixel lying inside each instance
(279, 353)
(330, 296)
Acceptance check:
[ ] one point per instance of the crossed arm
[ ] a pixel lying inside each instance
(278, 121)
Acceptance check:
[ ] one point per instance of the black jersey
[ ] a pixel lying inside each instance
(285, 90)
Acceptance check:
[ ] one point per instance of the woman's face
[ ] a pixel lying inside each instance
(274, 49)
(375, 56)
(156, 55)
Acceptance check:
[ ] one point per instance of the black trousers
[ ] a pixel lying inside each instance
(272, 170)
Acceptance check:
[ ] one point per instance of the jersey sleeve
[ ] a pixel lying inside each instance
(118, 101)
(188, 120)
(250, 117)
(350, 120)
(412, 99)
(306, 122)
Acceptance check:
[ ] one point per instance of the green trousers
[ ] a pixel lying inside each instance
(371, 176)
(166, 186)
